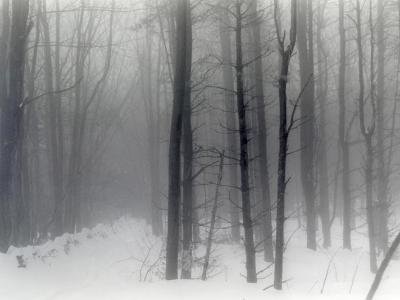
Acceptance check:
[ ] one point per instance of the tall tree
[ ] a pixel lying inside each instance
(323, 177)
(343, 144)
(151, 99)
(285, 52)
(244, 156)
(367, 131)
(73, 204)
(31, 164)
(11, 118)
(307, 108)
(5, 205)
(382, 174)
(5, 35)
(262, 137)
(187, 205)
(181, 82)
(229, 101)
(52, 114)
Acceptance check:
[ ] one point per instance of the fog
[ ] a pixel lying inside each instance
(215, 122)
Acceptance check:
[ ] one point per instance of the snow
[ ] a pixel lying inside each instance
(124, 261)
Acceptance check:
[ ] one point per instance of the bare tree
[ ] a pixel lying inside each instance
(229, 101)
(11, 120)
(213, 218)
(382, 268)
(367, 132)
(307, 108)
(343, 144)
(181, 82)
(382, 174)
(285, 52)
(244, 156)
(262, 137)
(53, 123)
(187, 139)
(323, 177)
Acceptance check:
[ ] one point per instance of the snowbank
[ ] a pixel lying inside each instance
(124, 261)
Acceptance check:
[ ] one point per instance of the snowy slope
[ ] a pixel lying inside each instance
(124, 261)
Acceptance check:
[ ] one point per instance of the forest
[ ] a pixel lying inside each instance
(199, 149)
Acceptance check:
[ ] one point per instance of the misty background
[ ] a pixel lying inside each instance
(89, 90)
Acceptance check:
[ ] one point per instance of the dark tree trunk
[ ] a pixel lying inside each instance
(244, 159)
(284, 130)
(382, 268)
(283, 146)
(11, 120)
(367, 133)
(5, 35)
(5, 226)
(181, 82)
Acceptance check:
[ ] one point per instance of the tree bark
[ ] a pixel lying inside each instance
(343, 144)
(382, 268)
(73, 204)
(5, 225)
(284, 129)
(213, 217)
(322, 151)
(187, 205)
(183, 25)
(244, 160)
(55, 162)
(367, 133)
(229, 101)
(307, 129)
(382, 174)
(11, 120)
(262, 139)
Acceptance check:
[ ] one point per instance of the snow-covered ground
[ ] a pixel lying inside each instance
(124, 261)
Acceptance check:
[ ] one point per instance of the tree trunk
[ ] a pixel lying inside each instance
(183, 26)
(31, 142)
(382, 175)
(367, 133)
(5, 35)
(229, 100)
(11, 120)
(55, 162)
(5, 225)
(322, 151)
(383, 266)
(262, 140)
(187, 205)
(343, 144)
(307, 129)
(284, 130)
(213, 217)
(60, 209)
(73, 204)
(244, 160)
